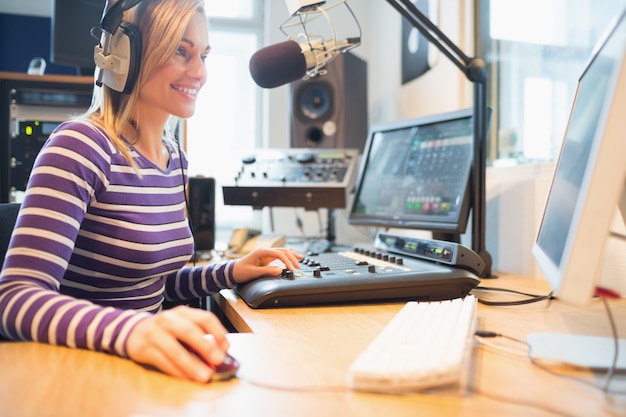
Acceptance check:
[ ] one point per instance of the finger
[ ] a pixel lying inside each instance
(193, 355)
(286, 256)
(174, 359)
(154, 345)
(190, 326)
(207, 321)
(289, 259)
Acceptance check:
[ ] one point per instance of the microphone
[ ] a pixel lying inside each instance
(289, 61)
(304, 54)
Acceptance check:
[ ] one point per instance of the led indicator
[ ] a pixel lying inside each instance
(29, 131)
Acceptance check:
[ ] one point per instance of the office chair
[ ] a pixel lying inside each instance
(8, 216)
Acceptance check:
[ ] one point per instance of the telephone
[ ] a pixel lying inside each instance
(244, 240)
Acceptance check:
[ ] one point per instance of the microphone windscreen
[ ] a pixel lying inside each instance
(278, 64)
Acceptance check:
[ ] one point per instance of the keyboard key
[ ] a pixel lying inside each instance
(425, 345)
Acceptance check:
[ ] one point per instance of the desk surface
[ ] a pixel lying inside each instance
(294, 363)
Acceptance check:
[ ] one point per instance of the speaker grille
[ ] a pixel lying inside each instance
(330, 111)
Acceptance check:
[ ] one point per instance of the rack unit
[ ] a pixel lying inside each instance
(30, 108)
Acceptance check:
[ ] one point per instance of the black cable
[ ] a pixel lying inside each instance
(533, 298)
(611, 371)
(182, 175)
(617, 235)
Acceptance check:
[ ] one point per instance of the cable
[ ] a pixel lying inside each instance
(618, 235)
(533, 298)
(483, 334)
(603, 293)
(347, 390)
(182, 174)
(344, 389)
(293, 388)
(611, 370)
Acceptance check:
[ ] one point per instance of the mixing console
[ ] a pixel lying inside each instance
(295, 177)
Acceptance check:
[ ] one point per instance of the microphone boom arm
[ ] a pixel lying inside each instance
(475, 70)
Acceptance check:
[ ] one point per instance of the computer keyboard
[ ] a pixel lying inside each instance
(425, 345)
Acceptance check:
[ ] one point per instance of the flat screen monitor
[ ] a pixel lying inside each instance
(71, 40)
(590, 176)
(415, 174)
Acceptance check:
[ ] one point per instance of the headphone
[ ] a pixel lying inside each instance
(118, 54)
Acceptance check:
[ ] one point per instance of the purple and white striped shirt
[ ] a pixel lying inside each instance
(97, 247)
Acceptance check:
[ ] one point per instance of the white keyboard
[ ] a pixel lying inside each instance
(426, 344)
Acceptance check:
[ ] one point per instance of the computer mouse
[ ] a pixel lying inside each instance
(227, 369)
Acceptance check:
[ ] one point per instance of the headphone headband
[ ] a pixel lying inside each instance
(119, 52)
(112, 15)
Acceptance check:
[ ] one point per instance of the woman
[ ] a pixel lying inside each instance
(102, 235)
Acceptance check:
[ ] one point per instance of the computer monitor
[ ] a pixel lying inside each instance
(415, 173)
(590, 176)
(71, 40)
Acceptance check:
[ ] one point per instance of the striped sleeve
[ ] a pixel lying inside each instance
(196, 282)
(68, 170)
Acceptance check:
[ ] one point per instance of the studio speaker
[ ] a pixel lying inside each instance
(202, 211)
(330, 111)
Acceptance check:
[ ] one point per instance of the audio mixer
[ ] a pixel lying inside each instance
(394, 271)
(312, 178)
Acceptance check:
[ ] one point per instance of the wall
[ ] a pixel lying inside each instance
(443, 88)
(27, 7)
(25, 34)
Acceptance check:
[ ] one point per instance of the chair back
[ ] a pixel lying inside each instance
(8, 216)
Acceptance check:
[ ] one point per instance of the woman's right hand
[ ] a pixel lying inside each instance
(174, 341)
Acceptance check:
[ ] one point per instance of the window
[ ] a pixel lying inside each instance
(227, 119)
(541, 47)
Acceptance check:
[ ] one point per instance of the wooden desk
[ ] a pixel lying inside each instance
(297, 348)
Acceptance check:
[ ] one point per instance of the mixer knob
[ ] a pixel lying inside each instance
(371, 268)
(305, 158)
(247, 160)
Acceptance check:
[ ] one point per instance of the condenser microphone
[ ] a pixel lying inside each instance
(278, 64)
(305, 54)
(289, 61)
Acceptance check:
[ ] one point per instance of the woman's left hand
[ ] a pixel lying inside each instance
(256, 264)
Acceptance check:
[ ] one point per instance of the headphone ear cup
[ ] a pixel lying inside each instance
(120, 68)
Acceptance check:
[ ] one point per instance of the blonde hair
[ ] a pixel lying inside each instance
(162, 24)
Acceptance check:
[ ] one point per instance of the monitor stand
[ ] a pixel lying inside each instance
(578, 350)
(582, 350)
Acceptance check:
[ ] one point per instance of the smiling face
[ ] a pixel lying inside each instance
(173, 88)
